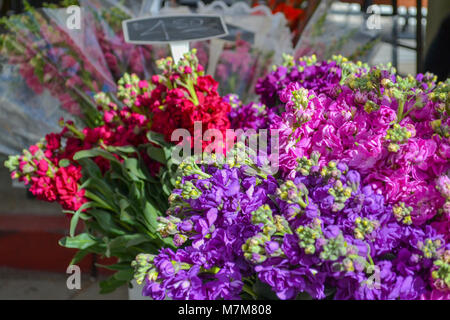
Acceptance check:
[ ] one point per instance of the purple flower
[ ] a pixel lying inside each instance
(302, 234)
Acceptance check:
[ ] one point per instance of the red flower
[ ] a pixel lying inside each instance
(66, 182)
(42, 187)
(207, 84)
(53, 141)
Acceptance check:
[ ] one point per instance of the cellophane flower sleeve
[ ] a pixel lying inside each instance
(122, 57)
(24, 119)
(241, 61)
(51, 57)
(328, 34)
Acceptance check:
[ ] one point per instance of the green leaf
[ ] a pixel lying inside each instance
(125, 275)
(90, 167)
(123, 149)
(263, 290)
(86, 183)
(132, 165)
(166, 242)
(157, 138)
(98, 200)
(124, 215)
(76, 217)
(81, 241)
(127, 241)
(110, 284)
(96, 152)
(64, 163)
(103, 187)
(83, 216)
(106, 222)
(150, 214)
(167, 190)
(79, 256)
(125, 265)
(156, 154)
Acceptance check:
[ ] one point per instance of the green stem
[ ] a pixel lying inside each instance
(201, 173)
(302, 204)
(190, 88)
(401, 106)
(246, 288)
(77, 132)
(407, 112)
(368, 255)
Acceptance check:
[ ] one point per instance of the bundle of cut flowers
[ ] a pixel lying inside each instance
(322, 232)
(359, 208)
(74, 64)
(69, 65)
(117, 175)
(393, 130)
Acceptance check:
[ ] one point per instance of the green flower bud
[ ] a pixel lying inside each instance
(441, 271)
(371, 106)
(304, 164)
(334, 249)
(308, 235)
(364, 227)
(402, 213)
(288, 60)
(12, 163)
(281, 225)
(430, 247)
(142, 264)
(254, 248)
(397, 135)
(340, 195)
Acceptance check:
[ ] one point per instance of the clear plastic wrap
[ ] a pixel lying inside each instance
(59, 69)
(49, 56)
(23, 120)
(328, 34)
(53, 61)
(63, 68)
(237, 64)
(121, 56)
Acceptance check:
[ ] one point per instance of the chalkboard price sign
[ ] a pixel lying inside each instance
(174, 28)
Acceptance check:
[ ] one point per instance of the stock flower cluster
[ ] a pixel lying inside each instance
(393, 130)
(249, 116)
(310, 74)
(321, 232)
(182, 96)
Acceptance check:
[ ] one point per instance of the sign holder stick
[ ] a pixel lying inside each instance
(178, 49)
(215, 49)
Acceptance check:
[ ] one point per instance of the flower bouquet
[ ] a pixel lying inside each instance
(359, 208)
(322, 233)
(394, 130)
(68, 65)
(355, 204)
(239, 67)
(49, 56)
(260, 37)
(116, 176)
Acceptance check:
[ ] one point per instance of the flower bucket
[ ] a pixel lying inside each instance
(135, 293)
